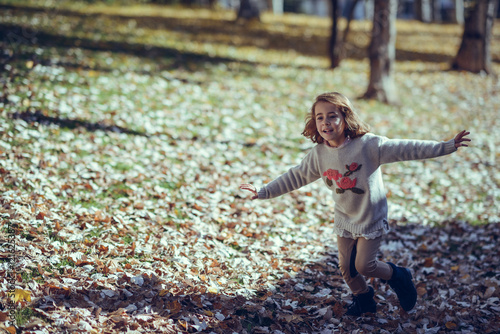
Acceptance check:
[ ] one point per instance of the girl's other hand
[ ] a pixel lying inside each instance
(461, 138)
(250, 188)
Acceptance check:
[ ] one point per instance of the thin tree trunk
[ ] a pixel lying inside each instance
(249, 9)
(337, 47)
(349, 19)
(382, 53)
(458, 12)
(474, 53)
(423, 10)
(436, 11)
(333, 48)
(277, 6)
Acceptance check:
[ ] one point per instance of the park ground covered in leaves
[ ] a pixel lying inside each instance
(126, 132)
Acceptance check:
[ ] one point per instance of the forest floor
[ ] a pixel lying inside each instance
(127, 131)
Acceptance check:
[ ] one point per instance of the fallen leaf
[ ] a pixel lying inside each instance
(451, 325)
(21, 295)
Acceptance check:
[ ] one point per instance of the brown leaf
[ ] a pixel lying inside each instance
(4, 316)
(421, 291)
(11, 329)
(451, 325)
(40, 269)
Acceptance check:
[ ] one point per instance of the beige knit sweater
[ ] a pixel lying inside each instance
(352, 172)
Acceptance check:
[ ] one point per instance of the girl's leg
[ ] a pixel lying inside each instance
(399, 278)
(366, 259)
(347, 258)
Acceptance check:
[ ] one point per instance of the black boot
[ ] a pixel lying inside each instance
(401, 283)
(362, 303)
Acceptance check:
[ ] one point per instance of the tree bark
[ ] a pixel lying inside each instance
(382, 53)
(474, 53)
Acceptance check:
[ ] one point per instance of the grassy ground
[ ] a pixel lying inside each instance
(126, 132)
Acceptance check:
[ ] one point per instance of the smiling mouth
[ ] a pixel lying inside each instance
(327, 131)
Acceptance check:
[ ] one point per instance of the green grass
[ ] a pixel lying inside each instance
(22, 316)
(128, 239)
(30, 275)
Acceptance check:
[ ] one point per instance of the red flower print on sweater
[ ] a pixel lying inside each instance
(332, 174)
(344, 182)
(353, 167)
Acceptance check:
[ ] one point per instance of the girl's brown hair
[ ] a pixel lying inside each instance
(355, 127)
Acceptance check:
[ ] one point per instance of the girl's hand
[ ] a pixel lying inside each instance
(250, 188)
(460, 138)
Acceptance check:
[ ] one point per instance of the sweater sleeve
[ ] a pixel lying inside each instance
(296, 177)
(392, 150)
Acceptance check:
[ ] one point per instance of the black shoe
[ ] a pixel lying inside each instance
(401, 283)
(362, 303)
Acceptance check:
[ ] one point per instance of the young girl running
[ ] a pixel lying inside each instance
(348, 158)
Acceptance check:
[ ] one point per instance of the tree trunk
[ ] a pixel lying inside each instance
(277, 6)
(337, 47)
(333, 47)
(249, 9)
(458, 12)
(423, 10)
(382, 53)
(436, 11)
(474, 52)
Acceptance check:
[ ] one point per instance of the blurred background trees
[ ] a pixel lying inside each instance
(382, 53)
(474, 53)
(476, 16)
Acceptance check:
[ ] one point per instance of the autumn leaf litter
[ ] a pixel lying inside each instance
(147, 230)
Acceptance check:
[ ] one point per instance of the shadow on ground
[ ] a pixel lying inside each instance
(38, 117)
(204, 30)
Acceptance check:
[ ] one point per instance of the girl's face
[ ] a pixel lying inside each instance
(330, 123)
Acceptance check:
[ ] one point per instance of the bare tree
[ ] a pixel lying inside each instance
(423, 10)
(382, 53)
(337, 47)
(333, 46)
(474, 53)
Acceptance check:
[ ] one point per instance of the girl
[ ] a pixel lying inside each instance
(348, 158)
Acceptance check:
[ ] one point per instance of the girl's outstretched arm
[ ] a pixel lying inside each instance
(250, 188)
(460, 138)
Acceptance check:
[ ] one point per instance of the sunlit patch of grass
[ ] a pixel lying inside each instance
(127, 239)
(123, 166)
(31, 274)
(23, 315)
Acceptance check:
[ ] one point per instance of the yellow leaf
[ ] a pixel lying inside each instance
(20, 294)
(163, 292)
(29, 64)
(212, 289)
(454, 268)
